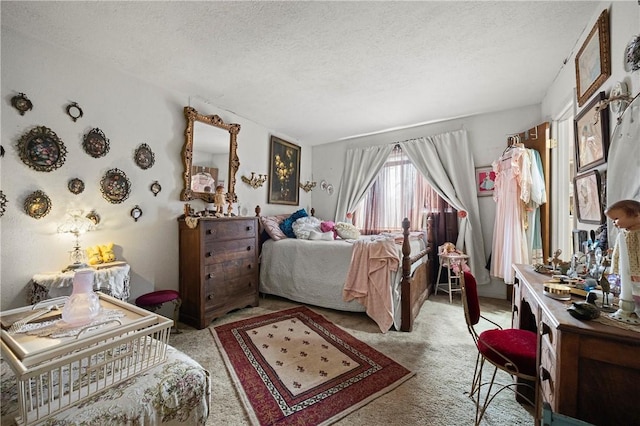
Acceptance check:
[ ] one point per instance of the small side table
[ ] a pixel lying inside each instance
(447, 260)
(110, 278)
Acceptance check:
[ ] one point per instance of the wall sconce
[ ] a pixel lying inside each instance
(254, 181)
(327, 187)
(307, 186)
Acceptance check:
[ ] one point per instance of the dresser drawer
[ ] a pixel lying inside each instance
(230, 269)
(231, 229)
(223, 251)
(548, 332)
(220, 293)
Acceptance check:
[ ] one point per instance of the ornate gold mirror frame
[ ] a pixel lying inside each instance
(193, 116)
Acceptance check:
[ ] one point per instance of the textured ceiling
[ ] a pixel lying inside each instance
(325, 71)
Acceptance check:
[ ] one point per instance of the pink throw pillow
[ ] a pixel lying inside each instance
(271, 225)
(327, 226)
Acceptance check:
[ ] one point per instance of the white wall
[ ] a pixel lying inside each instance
(130, 112)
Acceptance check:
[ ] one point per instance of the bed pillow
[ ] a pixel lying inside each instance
(315, 235)
(287, 225)
(271, 225)
(304, 225)
(347, 231)
(329, 226)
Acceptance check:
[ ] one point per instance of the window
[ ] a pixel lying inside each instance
(398, 191)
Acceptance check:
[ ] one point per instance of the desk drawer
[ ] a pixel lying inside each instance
(548, 332)
(548, 378)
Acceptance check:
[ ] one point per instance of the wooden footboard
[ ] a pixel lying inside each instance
(416, 287)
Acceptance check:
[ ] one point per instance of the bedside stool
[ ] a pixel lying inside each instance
(154, 300)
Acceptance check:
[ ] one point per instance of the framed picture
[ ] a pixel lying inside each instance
(587, 194)
(284, 172)
(593, 63)
(485, 181)
(592, 135)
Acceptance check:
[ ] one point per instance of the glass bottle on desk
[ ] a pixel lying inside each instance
(83, 305)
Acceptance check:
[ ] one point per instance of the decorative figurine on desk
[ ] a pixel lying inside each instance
(625, 259)
(219, 201)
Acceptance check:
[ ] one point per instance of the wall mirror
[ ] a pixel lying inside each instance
(210, 157)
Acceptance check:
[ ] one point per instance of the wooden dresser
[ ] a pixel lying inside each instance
(588, 370)
(218, 268)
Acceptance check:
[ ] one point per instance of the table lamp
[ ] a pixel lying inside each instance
(76, 223)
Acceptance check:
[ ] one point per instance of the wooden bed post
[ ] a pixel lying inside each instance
(405, 285)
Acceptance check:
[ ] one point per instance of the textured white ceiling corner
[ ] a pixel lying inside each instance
(324, 71)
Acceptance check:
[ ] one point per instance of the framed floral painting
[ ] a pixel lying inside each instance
(592, 135)
(588, 196)
(593, 62)
(284, 172)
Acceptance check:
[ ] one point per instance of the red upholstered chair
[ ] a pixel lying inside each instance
(154, 300)
(511, 350)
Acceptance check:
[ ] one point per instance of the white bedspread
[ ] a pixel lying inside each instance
(314, 272)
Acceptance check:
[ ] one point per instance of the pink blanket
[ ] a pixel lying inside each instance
(368, 279)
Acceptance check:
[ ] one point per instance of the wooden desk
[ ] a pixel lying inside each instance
(588, 370)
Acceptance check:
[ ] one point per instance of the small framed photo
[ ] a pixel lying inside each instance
(592, 135)
(593, 62)
(485, 181)
(588, 198)
(284, 172)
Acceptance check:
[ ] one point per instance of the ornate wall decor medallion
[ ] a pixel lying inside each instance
(21, 103)
(37, 205)
(3, 203)
(96, 143)
(115, 186)
(74, 111)
(94, 217)
(41, 149)
(144, 157)
(155, 188)
(136, 213)
(76, 186)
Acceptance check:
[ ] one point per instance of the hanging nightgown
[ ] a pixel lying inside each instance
(538, 197)
(513, 183)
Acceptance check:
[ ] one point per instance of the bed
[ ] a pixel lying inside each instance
(315, 272)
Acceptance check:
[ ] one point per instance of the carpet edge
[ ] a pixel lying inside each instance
(253, 418)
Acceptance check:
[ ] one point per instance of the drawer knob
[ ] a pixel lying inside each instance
(544, 329)
(544, 374)
(209, 231)
(249, 266)
(209, 276)
(248, 248)
(249, 228)
(210, 297)
(209, 254)
(515, 309)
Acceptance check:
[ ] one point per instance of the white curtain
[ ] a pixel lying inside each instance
(446, 162)
(360, 169)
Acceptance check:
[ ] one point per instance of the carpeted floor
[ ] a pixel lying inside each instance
(439, 349)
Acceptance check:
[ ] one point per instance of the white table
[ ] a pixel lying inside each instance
(110, 278)
(447, 260)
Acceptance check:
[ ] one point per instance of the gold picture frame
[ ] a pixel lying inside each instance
(284, 172)
(593, 61)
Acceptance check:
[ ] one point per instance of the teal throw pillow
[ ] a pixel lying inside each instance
(287, 225)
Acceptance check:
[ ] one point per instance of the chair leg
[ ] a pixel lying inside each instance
(475, 384)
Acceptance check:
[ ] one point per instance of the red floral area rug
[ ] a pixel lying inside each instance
(294, 367)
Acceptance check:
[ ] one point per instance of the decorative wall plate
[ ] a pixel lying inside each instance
(115, 186)
(41, 149)
(155, 188)
(3, 203)
(136, 213)
(74, 111)
(37, 205)
(76, 186)
(96, 143)
(94, 217)
(144, 157)
(21, 103)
